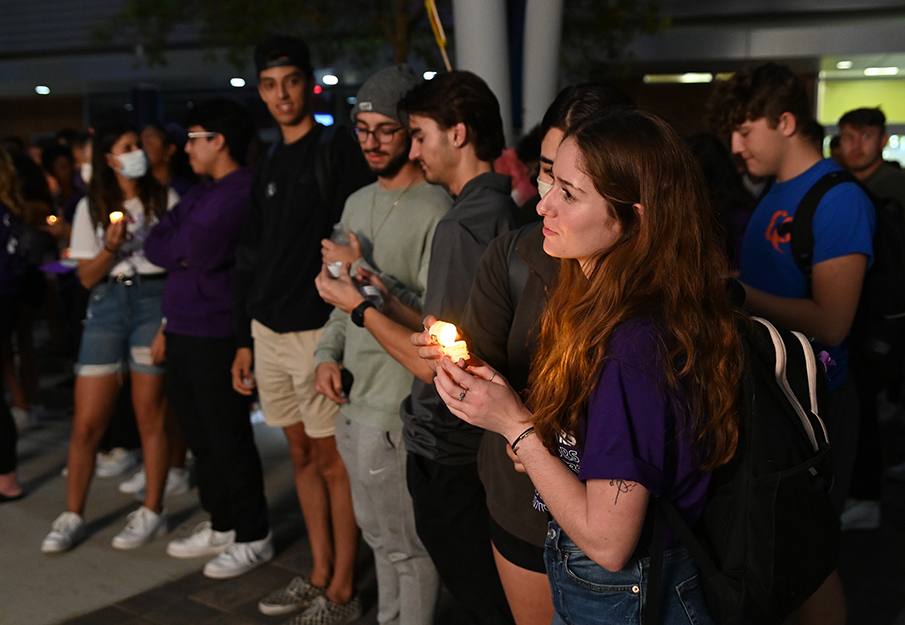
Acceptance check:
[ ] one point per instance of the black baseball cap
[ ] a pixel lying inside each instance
(282, 51)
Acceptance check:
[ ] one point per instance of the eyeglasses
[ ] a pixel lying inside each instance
(201, 135)
(381, 133)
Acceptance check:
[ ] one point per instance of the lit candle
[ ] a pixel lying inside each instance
(51, 219)
(444, 334)
(116, 216)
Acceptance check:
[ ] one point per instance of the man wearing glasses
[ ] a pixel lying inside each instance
(391, 225)
(196, 243)
(457, 132)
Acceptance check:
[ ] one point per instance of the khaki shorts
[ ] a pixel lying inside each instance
(284, 374)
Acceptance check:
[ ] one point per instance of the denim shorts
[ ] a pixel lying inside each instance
(123, 318)
(585, 592)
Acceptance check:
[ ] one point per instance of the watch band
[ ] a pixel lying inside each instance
(358, 314)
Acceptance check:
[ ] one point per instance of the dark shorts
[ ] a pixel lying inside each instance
(520, 552)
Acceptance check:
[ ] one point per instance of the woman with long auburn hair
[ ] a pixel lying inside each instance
(633, 388)
(109, 229)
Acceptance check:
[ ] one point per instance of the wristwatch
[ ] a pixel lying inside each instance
(358, 313)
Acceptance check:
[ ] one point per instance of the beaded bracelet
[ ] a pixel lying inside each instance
(520, 438)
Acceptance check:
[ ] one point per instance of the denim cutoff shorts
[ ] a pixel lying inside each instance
(123, 318)
(585, 592)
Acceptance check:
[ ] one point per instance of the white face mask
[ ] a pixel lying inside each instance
(134, 164)
(85, 171)
(543, 187)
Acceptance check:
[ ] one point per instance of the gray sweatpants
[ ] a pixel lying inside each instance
(407, 582)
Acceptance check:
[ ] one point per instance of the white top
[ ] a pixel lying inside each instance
(87, 242)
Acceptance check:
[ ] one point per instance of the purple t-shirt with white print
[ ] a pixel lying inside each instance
(632, 431)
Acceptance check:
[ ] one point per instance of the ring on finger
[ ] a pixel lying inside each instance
(492, 377)
(462, 395)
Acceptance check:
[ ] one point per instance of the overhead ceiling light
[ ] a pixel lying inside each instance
(687, 78)
(844, 65)
(429, 75)
(330, 79)
(881, 71)
(237, 82)
(42, 90)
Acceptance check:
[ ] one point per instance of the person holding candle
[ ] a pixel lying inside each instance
(634, 383)
(456, 134)
(501, 322)
(123, 318)
(390, 225)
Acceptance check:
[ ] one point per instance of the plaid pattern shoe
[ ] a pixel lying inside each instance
(298, 595)
(322, 611)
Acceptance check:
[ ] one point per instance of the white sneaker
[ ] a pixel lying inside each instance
(204, 541)
(863, 514)
(239, 558)
(144, 524)
(115, 462)
(135, 484)
(179, 481)
(66, 531)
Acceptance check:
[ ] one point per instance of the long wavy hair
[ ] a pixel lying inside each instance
(667, 265)
(10, 187)
(104, 192)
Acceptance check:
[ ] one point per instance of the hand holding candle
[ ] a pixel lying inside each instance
(444, 334)
(116, 217)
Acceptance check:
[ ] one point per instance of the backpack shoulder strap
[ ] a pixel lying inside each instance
(802, 225)
(324, 171)
(518, 268)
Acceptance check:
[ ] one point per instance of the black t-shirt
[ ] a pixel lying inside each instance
(279, 253)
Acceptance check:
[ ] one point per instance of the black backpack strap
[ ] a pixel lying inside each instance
(518, 268)
(325, 167)
(802, 225)
(655, 571)
(702, 558)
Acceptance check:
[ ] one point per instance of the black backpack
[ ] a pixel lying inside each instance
(768, 536)
(879, 326)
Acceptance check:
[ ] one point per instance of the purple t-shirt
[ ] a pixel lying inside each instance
(633, 431)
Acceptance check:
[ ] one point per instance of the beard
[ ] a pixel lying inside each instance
(396, 163)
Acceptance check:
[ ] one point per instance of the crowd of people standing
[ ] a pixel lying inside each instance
(603, 361)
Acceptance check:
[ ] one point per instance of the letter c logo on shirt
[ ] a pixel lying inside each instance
(779, 217)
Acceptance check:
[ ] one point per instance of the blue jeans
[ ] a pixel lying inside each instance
(585, 592)
(122, 319)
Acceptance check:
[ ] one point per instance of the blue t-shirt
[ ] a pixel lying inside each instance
(634, 429)
(843, 224)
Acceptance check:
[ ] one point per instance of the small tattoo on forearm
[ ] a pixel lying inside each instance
(622, 487)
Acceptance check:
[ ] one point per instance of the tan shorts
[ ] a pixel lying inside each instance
(284, 374)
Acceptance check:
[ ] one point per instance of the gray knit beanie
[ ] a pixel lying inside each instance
(382, 92)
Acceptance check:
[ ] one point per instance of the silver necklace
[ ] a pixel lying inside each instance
(387, 216)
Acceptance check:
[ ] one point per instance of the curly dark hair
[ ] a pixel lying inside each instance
(768, 90)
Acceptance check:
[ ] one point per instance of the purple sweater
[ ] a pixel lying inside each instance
(196, 243)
